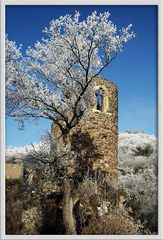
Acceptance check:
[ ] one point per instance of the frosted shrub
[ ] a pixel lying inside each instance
(138, 175)
(100, 211)
(103, 209)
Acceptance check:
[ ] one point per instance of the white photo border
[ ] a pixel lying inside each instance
(3, 4)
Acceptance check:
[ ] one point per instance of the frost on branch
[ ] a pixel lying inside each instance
(56, 78)
(12, 55)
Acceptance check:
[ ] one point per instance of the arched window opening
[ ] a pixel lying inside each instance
(99, 100)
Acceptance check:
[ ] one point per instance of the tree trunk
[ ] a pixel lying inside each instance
(63, 142)
(68, 217)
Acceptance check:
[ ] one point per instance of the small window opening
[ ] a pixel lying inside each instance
(99, 100)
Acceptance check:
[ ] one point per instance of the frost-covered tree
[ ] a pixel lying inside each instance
(60, 69)
(54, 81)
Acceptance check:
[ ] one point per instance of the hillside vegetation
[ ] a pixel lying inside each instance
(137, 165)
(138, 175)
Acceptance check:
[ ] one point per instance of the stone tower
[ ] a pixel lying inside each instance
(95, 138)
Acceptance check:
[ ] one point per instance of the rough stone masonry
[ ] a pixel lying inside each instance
(95, 138)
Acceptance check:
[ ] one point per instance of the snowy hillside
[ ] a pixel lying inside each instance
(138, 175)
(16, 153)
(130, 145)
(133, 143)
(137, 150)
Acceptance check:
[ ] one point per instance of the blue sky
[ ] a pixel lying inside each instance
(134, 70)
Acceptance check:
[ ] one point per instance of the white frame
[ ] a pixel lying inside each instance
(2, 119)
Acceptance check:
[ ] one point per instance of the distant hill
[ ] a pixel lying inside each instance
(18, 153)
(130, 145)
(137, 150)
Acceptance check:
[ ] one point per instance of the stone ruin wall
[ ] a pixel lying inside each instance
(95, 138)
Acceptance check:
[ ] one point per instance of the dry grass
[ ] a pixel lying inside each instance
(14, 171)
